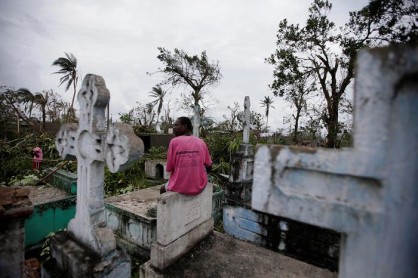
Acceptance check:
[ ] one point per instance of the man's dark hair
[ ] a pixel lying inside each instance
(186, 121)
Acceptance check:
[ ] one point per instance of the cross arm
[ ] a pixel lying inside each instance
(296, 183)
(65, 141)
(123, 147)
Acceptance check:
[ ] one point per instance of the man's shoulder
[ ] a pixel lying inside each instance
(186, 138)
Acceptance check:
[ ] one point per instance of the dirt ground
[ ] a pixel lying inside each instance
(223, 256)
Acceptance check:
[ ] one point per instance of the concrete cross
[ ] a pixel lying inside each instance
(368, 193)
(242, 160)
(246, 121)
(91, 144)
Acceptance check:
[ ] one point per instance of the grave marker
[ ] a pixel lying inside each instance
(368, 193)
(91, 144)
(182, 222)
(242, 163)
(246, 121)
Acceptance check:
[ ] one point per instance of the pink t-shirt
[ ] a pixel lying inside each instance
(186, 160)
(37, 154)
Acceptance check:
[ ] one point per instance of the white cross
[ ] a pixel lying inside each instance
(91, 144)
(368, 193)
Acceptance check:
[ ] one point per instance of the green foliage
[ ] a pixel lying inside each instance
(29, 179)
(141, 117)
(127, 181)
(385, 21)
(45, 254)
(16, 156)
(194, 71)
(157, 152)
(324, 56)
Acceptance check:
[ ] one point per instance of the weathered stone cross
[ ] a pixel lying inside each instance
(368, 193)
(242, 160)
(91, 145)
(246, 120)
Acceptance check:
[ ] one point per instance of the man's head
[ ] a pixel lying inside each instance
(182, 126)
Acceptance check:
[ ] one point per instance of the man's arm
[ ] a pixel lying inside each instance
(170, 159)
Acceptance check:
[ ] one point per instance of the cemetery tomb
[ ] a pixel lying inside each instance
(155, 168)
(54, 206)
(221, 255)
(133, 218)
(305, 242)
(53, 209)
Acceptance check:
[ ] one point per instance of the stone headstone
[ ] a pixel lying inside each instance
(182, 222)
(93, 145)
(367, 193)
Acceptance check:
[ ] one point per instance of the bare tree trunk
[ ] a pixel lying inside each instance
(196, 120)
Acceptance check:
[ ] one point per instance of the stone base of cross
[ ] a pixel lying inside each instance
(368, 193)
(93, 145)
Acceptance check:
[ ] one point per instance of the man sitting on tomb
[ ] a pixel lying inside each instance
(188, 160)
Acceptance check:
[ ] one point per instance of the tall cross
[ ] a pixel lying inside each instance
(368, 193)
(242, 160)
(246, 121)
(91, 144)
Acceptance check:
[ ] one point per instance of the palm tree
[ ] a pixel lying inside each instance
(25, 97)
(30, 100)
(267, 102)
(41, 100)
(158, 94)
(15, 98)
(68, 67)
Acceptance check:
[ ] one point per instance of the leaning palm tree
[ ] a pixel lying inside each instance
(68, 67)
(25, 97)
(267, 102)
(158, 94)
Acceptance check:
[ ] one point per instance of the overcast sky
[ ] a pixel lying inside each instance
(118, 40)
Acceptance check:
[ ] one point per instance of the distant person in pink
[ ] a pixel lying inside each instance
(188, 160)
(37, 157)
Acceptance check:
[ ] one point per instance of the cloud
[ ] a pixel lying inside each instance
(118, 40)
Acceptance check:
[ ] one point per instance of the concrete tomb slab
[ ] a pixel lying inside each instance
(368, 192)
(132, 217)
(220, 255)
